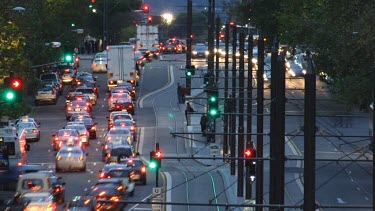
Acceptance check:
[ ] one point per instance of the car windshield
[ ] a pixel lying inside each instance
(118, 173)
(199, 47)
(77, 127)
(43, 198)
(32, 184)
(86, 91)
(121, 151)
(120, 95)
(118, 131)
(117, 141)
(108, 188)
(67, 152)
(78, 103)
(48, 77)
(122, 116)
(123, 123)
(25, 124)
(67, 133)
(86, 121)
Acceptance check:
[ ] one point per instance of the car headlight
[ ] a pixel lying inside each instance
(265, 77)
(222, 52)
(254, 60)
(206, 53)
(304, 72)
(291, 72)
(237, 54)
(287, 65)
(195, 52)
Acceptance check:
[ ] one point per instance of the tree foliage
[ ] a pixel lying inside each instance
(338, 32)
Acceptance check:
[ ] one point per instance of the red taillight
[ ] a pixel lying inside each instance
(57, 190)
(58, 158)
(69, 108)
(34, 131)
(87, 134)
(106, 146)
(85, 109)
(60, 144)
(131, 175)
(93, 128)
(143, 169)
(102, 175)
(109, 155)
(132, 128)
(56, 138)
(81, 157)
(19, 164)
(130, 106)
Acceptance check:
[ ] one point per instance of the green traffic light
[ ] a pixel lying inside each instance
(213, 99)
(153, 165)
(73, 25)
(90, 6)
(68, 58)
(10, 96)
(213, 112)
(188, 73)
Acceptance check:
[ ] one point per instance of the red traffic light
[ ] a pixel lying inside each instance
(221, 36)
(158, 155)
(249, 153)
(146, 8)
(191, 36)
(92, 1)
(15, 83)
(149, 19)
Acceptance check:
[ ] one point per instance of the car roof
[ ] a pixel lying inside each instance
(34, 175)
(36, 194)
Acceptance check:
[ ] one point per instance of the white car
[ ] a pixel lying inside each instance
(39, 201)
(123, 132)
(31, 129)
(71, 158)
(88, 91)
(99, 65)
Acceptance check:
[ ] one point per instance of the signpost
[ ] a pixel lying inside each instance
(157, 196)
(214, 149)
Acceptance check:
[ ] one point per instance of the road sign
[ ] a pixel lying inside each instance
(214, 149)
(157, 207)
(249, 201)
(157, 196)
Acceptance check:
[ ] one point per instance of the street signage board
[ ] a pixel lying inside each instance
(214, 149)
(157, 207)
(157, 193)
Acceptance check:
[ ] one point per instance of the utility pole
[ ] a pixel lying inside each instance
(226, 102)
(241, 102)
(106, 23)
(260, 108)
(211, 24)
(309, 138)
(233, 104)
(277, 129)
(248, 185)
(188, 42)
(372, 145)
(217, 49)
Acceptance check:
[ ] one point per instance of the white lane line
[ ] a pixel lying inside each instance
(169, 191)
(133, 207)
(298, 163)
(170, 83)
(141, 138)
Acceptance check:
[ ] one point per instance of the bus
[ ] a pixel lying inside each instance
(13, 147)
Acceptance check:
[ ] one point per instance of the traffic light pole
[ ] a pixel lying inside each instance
(241, 102)
(260, 107)
(157, 168)
(226, 102)
(217, 49)
(248, 185)
(188, 42)
(232, 139)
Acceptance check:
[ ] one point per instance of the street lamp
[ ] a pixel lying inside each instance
(167, 18)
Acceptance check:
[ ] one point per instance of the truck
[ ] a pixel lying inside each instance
(13, 147)
(121, 65)
(147, 36)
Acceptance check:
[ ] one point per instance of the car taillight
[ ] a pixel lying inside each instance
(109, 155)
(102, 175)
(106, 146)
(130, 106)
(87, 104)
(85, 109)
(80, 143)
(131, 175)
(93, 127)
(112, 99)
(58, 158)
(81, 157)
(114, 198)
(132, 128)
(19, 164)
(87, 134)
(57, 190)
(56, 139)
(143, 169)
(60, 144)
(69, 108)
(35, 131)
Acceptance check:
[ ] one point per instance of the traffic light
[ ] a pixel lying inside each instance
(158, 156)
(206, 79)
(153, 162)
(231, 24)
(190, 70)
(15, 83)
(68, 57)
(146, 8)
(73, 25)
(90, 5)
(149, 19)
(251, 164)
(213, 103)
(10, 95)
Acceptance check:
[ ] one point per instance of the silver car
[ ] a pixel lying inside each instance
(120, 131)
(31, 129)
(83, 132)
(99, 65)
(45, 94)
(71, 158)
(88, 91)
(128, 124)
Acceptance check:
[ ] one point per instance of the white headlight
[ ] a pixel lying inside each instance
(194, 52)
(237, 54)
(207, 53)
(304, 72)
(254, 60)
(291, 72)
(287, 65)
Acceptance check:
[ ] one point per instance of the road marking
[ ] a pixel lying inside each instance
(340, 201)
(295, 151)
(140, 141)
(134, 207)
(169, 191)
(170, 83)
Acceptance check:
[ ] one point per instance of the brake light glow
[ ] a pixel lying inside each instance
(58, 158)
(57, 190)
(57, 138)
(69, 108)
(85, 109)
(130, 161)
(102, 193)
(109, 155)
(130, 106)
(132, 128)
(93, 127)
(81, 157)
(102, 175)
(114, 198)
(35, 131)
(143, 169)
(106, 146)
(19, 163)
(119, 188)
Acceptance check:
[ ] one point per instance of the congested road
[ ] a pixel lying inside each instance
(157, 115)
